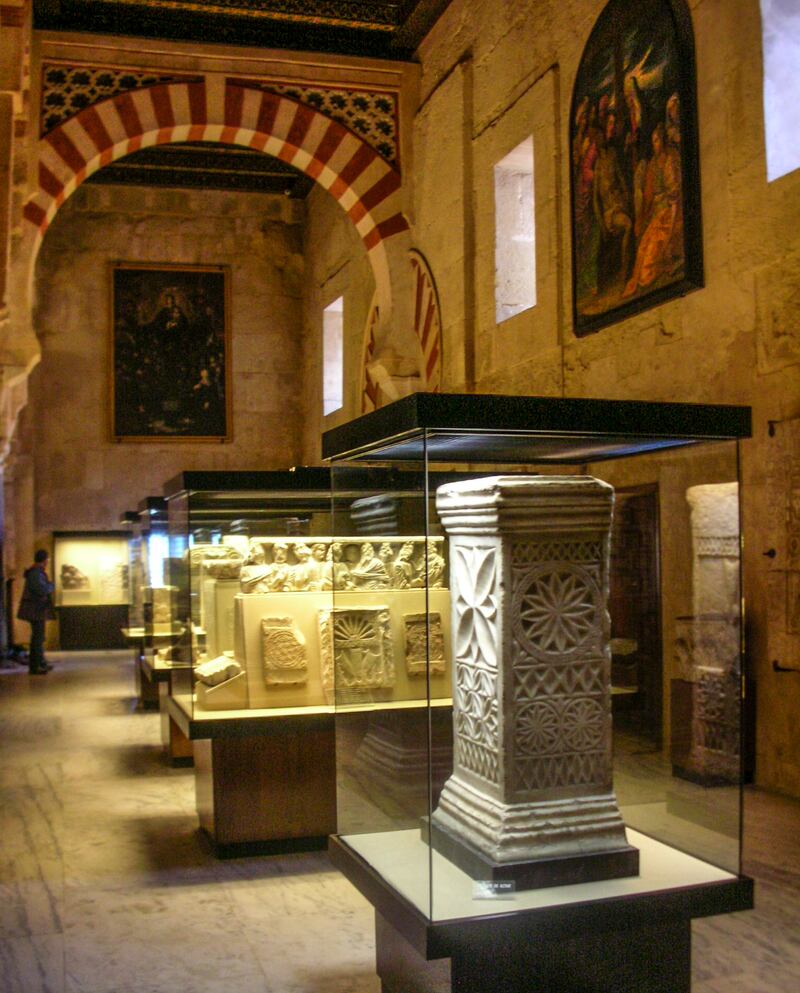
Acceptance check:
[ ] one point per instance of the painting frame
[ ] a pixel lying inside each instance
(169, 353)
(652, 239)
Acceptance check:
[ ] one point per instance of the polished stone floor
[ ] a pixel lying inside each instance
(106, 886)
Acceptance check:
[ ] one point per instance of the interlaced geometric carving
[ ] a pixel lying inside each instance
(476, 604)
(545, 727)
(551, 680)
(556, 608)
(527, 552)
(723, 546)
(547, 772)
(476, 705)
(478, 759)
(67, 90)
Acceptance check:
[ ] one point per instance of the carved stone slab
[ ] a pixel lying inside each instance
(531, 694)
(281, 565)
(285, 652)
(424, 644)
(357, 652)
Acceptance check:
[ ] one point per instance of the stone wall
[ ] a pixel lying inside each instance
(492, 74)
(336, 266)
(83, 479)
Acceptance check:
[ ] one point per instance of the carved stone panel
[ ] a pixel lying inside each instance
(357, 648)
(424, 644)
(285, 652)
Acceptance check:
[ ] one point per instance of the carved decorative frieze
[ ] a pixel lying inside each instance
(285, 651)
(532, 771)
(281, 565)
(424, 644)
(357, 648)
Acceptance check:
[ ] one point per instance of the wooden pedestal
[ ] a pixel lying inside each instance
(177, 745)
(263, 785)
(146, 686)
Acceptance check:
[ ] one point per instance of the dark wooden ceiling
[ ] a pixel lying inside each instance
(380, 28)
(386, 29)
(203, 165)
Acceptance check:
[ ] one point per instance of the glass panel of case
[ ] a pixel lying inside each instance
(152, 577)
(586, 585)
(91, 569)
(251, 566)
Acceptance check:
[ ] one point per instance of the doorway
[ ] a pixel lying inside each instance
(635, 609)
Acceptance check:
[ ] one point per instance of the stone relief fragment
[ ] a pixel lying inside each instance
(287, 565)
(73, 579)
(424, 644)
(284, 650)
(217, 670)
(357, 648)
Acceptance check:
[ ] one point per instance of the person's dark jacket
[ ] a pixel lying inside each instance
(37, 596)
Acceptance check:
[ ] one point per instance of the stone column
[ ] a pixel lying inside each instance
(531, 796)
(713, 635)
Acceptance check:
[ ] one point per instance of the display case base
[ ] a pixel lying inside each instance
(653, 958)
(279, 846)
(146, 688)
(178, 748)
(538, 874)
(623, 936)
(268, 792)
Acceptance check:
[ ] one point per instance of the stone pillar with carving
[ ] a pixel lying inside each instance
(531, 796)
(712, 632)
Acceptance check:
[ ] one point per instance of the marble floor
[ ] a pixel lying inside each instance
(106, 886)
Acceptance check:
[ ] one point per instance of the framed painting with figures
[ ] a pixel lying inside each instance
(635, 187)
(169, 354)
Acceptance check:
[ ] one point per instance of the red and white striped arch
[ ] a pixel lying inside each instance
(363, 183)
(427, 324)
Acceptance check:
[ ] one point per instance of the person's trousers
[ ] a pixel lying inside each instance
(36, 653)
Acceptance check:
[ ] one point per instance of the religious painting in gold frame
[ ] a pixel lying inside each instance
(170, 353)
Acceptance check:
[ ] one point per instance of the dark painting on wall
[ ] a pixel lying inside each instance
(636, 231)
(170, 375)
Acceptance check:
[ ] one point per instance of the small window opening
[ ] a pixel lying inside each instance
(333, 356)
(515, 233)
(780, 27)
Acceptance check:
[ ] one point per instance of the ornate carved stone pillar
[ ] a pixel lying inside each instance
(531, 796)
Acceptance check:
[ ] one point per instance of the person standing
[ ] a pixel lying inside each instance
(36, 607)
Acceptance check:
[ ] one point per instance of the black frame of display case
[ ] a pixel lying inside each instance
(537, 429)
(558, 949)
(92, 627)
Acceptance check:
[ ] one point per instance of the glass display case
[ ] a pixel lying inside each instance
(539, 692)
(91, 573)
(150, 628)
(252, 565)
(153, 591)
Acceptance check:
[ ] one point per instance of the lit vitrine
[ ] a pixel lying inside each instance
(91, 574)
(544, 724)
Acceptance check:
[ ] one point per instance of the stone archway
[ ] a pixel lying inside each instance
(231, 111)
(366, 187)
